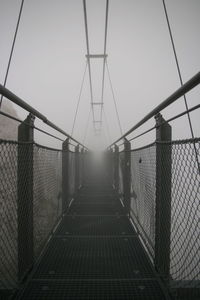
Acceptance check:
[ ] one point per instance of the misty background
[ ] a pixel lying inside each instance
(49, 61)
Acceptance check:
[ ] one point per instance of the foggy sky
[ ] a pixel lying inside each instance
(49, 60)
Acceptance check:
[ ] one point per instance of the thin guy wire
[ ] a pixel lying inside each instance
(106, 122)
(12, 49)
(87, 124)
(115, 103)
(104, 135)
(180, 78)
(104, 59)
(107, 130)
(79, 98)
(88, 53)
(177, 63)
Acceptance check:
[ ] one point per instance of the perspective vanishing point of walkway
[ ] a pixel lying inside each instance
(95, 253)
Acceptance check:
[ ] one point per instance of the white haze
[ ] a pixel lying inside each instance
(49, 61)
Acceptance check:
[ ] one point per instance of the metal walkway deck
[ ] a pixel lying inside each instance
(94, 254)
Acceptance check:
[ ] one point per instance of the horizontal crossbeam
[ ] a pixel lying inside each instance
(97, 103)
(96, 56)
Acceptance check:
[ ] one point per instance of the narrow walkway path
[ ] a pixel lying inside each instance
(94, 254)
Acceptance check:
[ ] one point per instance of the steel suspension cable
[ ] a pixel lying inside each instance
(87, 125)
(79, 98)
(104, 59)
(88, 53)
(12, 48)
(115, 102)
(107, 126)
(105, 136)
(177, 63)
(180, 78)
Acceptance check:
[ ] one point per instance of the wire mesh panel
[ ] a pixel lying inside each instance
(121, 166)
(143, 191)
(27, 225)
(46, 192)
(185, 205)
(8, 214)
(185, 214)
(71, 174)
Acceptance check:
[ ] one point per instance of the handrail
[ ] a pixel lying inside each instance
(15, 99)
(190, 84)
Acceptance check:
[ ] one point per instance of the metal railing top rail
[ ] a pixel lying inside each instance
(189, 85)
(163, 122)
(15, 99)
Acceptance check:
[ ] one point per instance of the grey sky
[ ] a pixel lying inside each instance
(49, 58)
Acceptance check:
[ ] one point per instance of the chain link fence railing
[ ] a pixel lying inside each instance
(28, 171)
(47, 193)
(143, 191)
(71, 174)
(185, 214)
(82, 167)
(8, 215)
(185, 204)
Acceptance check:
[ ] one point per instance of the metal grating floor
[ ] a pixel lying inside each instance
(94, 254)
(135, 290)
(95, 226)
(94, 258)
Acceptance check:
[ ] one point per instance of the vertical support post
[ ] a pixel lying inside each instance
(77, 168)
(65, 175)
(116, 169)
(127, 176)
(25, 197)
(163, 197)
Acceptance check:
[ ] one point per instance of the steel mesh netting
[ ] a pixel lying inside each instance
(8, 214)
(46, 197)
(82, 166)
(185, 213)
(143, 192)
(185, 205)
(71, 174)
(47, 193)
(121, 166)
